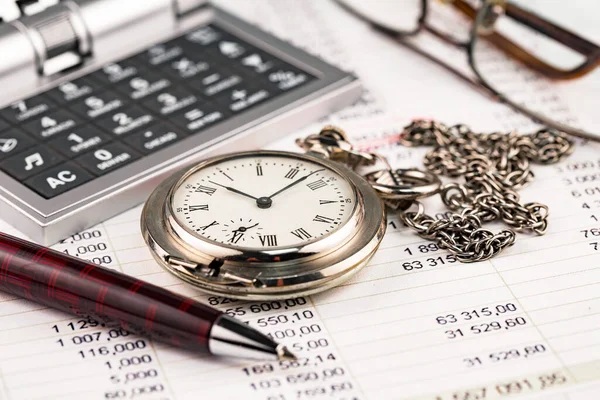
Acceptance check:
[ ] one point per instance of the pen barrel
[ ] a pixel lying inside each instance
(75, 286)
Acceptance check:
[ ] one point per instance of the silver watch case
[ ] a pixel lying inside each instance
(271, 273)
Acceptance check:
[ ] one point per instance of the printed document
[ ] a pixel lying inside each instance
(414, 323)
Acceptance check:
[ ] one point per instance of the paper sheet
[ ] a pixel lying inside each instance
(413, 324)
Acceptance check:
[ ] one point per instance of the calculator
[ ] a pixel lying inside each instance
(103, 99)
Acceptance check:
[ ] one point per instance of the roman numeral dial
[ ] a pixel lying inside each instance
(263, 202)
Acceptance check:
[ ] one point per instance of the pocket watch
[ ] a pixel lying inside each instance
(264, 224)
(276, 224)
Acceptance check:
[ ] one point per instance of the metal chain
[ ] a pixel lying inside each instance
(492, 165)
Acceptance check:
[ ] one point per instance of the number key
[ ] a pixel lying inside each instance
(160, 54)
(70, 91)
(170, 101)
(98, 105)
(79, 141)
(107, 158)
(113, 73)
(26, 110)
(51, 124)
(126, 121)
(143, 85)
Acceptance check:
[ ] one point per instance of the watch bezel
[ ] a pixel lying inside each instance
(252, 274)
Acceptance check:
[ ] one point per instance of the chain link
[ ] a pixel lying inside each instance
(493, 166)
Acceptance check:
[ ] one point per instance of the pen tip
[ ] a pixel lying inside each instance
(283, 354)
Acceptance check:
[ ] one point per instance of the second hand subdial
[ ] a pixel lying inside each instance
(238, 234)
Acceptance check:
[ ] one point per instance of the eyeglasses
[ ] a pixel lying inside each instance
(497, 29)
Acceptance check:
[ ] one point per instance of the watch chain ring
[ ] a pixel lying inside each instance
(404, 184)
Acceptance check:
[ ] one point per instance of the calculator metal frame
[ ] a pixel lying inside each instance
(271, 273)
(50, 220)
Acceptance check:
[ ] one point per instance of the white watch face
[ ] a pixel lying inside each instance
(264, 201)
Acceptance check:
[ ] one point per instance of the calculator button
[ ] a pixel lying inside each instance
(113, 73)
(203, 37)
(12, 142)
(187, 67)
(217, 42)
(79, 141)
(231, 48)
(107, 158)
(3, 125)
(98, 105)
(198, 117)
(51, 124)
(170, 101)
(57, 180)
(143, 85)
(126, 121)
(257, 62)
(241, 99)
(30, 162)
(217, 83)
(154, 138)
(160, 54)
(74, 90)
(287, 78)
(26, 110)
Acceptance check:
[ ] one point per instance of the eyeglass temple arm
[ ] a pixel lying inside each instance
(517, 52)
(389, 31)
(568, 38)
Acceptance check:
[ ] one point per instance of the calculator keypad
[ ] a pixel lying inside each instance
(96, 124)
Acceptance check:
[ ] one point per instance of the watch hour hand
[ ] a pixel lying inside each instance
(234, 190)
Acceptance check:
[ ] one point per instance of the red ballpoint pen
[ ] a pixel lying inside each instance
(78, 287)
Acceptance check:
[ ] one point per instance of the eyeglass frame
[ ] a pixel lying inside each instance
(484, 19)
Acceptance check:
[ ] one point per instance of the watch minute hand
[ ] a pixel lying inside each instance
(295, 183)
(234, 190)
